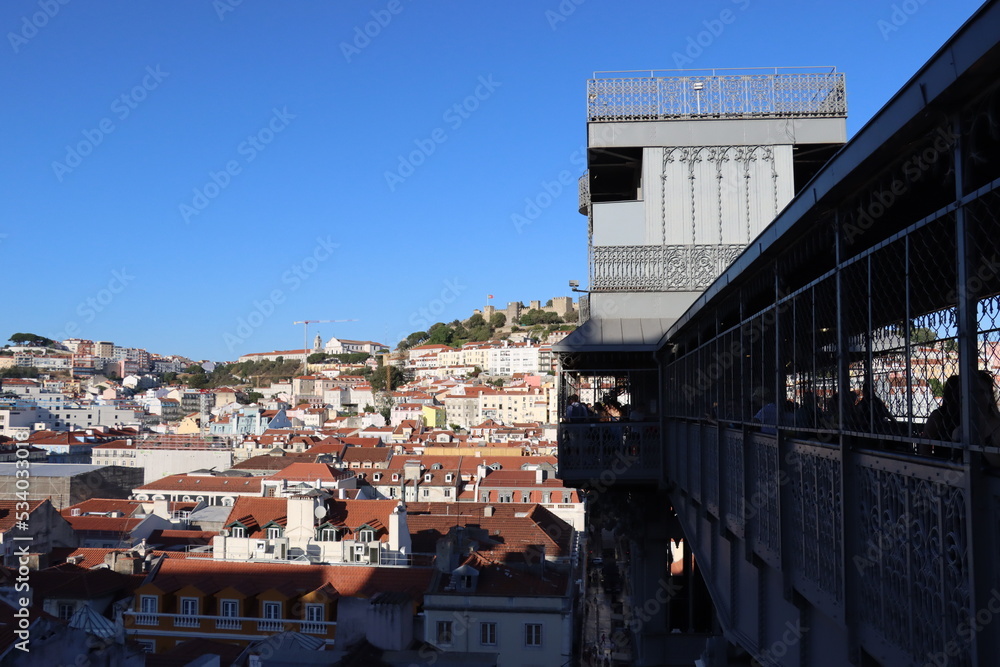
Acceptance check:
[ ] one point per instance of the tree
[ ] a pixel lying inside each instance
(316, 358)
(195, 369)
(476, 320)
(455, 427)
(377, 379)
(536, 316)
(414, 339)
(498, 320)
(254, 397)
(548, 304)
(31, 339)
(169, 378)
(922, 335)
(479, 334)
(440, 334)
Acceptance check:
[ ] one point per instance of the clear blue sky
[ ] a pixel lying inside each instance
(118, 113)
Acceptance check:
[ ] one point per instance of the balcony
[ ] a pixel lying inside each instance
(231, 623)
(270, 625)
(584, 185)
(606, 453)
(685, 94)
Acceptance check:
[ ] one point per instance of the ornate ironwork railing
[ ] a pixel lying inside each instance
(659, 268)
(584, 193)
(625, 450)
(776, 94)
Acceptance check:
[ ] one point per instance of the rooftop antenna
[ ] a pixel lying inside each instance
(305, 340)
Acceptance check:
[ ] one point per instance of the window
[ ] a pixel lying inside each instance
(525, 497)
(425, 493)
(366, 535)
(239, 531)
(189, 606)
(272, 610)
(444, 633)
(327, 534)
(66, 611)
(314, 613)
(532, 634)
(229, 608)
(274, 532)
(148, 604)
(447, 493)
(392, 492)
(488, 634)
(148, 646)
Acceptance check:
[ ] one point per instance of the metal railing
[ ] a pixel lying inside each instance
(584, 187)
(681, 94)
(231, 622)
(662, 268)
(630, 451)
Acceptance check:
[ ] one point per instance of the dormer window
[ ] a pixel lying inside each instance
(377, 477)
(366, 535)
(427, 477)
(395, 477)
(239, 531)
(274, 532)
(449, 477)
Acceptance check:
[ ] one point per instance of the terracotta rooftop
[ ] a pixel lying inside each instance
(203, 483)
(211, 576)
(8, 512)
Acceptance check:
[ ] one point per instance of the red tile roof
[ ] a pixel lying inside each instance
(204, 483)
(8, 512)
(211, 576)
(310, 472)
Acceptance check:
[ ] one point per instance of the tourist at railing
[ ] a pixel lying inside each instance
(768, 414)
(986, 414)
(941, 423)
(871, 413)
(577, 412)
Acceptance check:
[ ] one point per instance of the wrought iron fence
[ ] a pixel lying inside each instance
(777, 93)
(666, 268)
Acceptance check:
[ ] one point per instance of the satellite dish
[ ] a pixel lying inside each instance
(319, 512)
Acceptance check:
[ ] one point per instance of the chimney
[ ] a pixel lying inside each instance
(488, 511)
(399, 533)
(539, 475)
(300, 517)
(161, 508)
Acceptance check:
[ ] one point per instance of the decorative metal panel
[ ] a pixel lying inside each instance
(735, 513)
(776, 95)
(610, 452)
(762, 505)
(914, 565)
(584, 187)
(816, 515)
(710, 456)
(672, 268)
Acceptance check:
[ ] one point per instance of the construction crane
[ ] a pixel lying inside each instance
(305, 340)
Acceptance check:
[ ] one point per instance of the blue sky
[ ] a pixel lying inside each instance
(192, 177)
